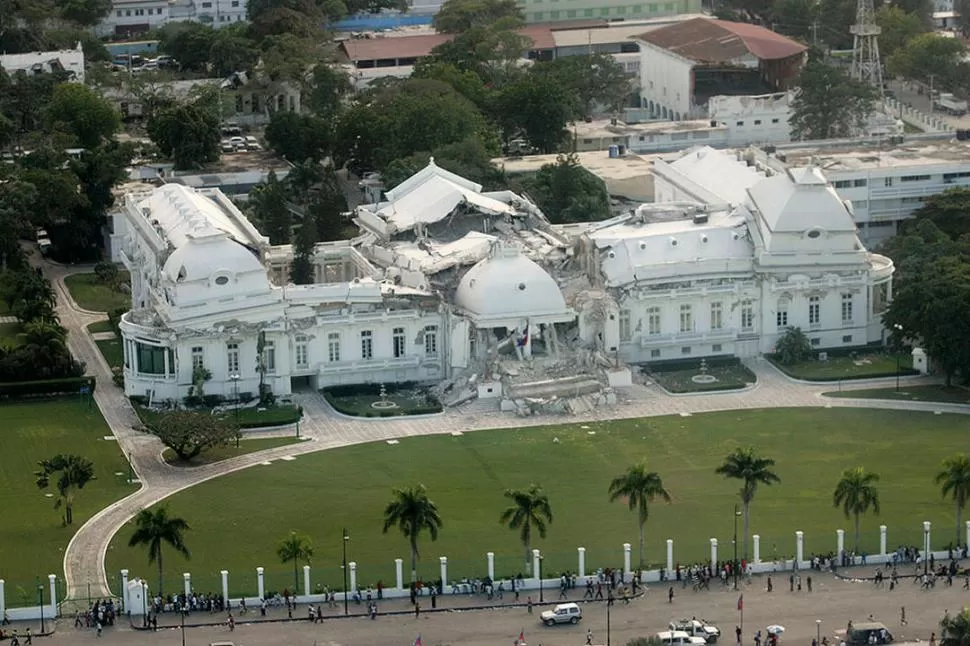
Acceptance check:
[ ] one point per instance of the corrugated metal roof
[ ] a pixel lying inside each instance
(370, 49)
(719, 41)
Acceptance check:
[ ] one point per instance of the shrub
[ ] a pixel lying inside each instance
(46, 387)
(793, 347)
(211, 401)
(106, 272)
(138, 401)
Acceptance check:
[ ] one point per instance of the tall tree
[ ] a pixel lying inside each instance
(412, 512)
(589, 82)
(898, 28)
(537, 107)
(930, 54)
(954, 482)
(270, 209)
(295, 548)
(82, 112)
(69, 473)
(188, 133)
(298, 137)
(301, 269)
(190, 43)
(856, 494)
(752, 470)
(189, 433)
(529, 510)
(949, 211)
(493, 53)
(638, 488)
(329, 85)
(566, 192)
(829, 103)
(955, 630)
(232, 50)
(457, 16)
(153, 528)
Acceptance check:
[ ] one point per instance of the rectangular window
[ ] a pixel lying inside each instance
(232, 358)
(625, 325)
(716, 347)
(538, 15)
(914, 178)
(119, 13)
(814, 305)
(333, 346)
(858, 183)
(198, 360)
(685, 349)
(302, 353)
(842, 183)
(747, 316)
(653, 320)
(781, 317)
(774, 121)
(206, 5)
(717, 321)
(269, 356)
(234, 3)
(847, 338)
(588, 13)
(739, 123)
(398, 342)
(366, 344)
(151, 359)
(554, 15)
(846, 308)
(431, 341)
(757, 122)
(888, 181)
(816, 342)
(686, 319)
(655, 354)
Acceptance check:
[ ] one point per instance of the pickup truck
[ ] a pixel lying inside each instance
(947, 102)
(697, 628)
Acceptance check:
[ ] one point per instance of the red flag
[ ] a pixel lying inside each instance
(741, 603)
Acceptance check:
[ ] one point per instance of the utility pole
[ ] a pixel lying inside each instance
(932, 78)
(815, 33)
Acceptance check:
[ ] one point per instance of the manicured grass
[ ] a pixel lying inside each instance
(219, 453)
(862, 365)
(274, 416)
(10, 334)
(949, 395)
(100, 326)
(112, 351)
(32, 540)
(93, 295)
(728, 377)
(238, 520)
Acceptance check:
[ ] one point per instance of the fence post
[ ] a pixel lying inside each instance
(399, 573)
(713, 553)
(882, 539)
(260, 585)
(187, 583)
(225, 587)
(491, 563)
(306, 580)
(124, 591)
(3, 598)
(443, 561)
(670, 556)
(626, 561)
(353, 576)
(756, 541)
(582, 561)
(52, 578)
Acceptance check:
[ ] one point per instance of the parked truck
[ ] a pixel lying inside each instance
(949, 104)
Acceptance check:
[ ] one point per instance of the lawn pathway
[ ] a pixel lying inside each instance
(85, 556)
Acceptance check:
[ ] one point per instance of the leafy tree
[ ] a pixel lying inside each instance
(286, 57)
(69, 473)
(793, 347)
(412, 512)
(567, 192)
(465, 82)
(298, 137)
(231, 50)
(268, 201)
(329, 86)
(295, 548)
(300, 18)
(954, 482)
(529, 509)
(189, 433)
(751, 469)
(82, 112)
(24, 99)
(928, 54)
(898, 29)
(828, 103)
(796, 18)
(856, 494)
(86, 13)
(955, 630)
(188, 42)
(588, 81)
(301, 269)
(537, 106)
(493, 53)
(638, 487)
(153, 528)
(187, 132)
(327, 205)
(457, 16)
(949, 211)
(468, 158)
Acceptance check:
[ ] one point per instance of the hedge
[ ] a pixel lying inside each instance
(676, 365)
(46, 387)
(903, 372)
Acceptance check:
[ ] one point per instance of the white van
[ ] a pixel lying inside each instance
(679, 638)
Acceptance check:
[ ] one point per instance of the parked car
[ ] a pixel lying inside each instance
(860, 633)
(679, 638)
(697, 628)
(227, 146)
(564, 613)
(239, 143)
(252, 144)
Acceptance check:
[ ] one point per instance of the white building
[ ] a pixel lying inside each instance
(133, 17)
(446, 283)
(70, 61)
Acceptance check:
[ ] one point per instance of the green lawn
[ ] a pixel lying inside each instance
(32, 540)
(862, 365)
(90, 294)
(238, 520)
(100, 326)
(274, 416)
(219, 453)
(112, 351)
(949, 395)
(10, 334)
(728, 377)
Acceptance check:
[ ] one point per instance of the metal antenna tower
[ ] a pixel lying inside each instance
(866, 66)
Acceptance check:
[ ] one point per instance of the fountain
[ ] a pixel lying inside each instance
(384, 403)
(703, 377)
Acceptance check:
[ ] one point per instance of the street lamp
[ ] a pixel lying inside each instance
(734, 565)
(818, 632)
(40, 592)
(541, 557)
(235, 394)
(346, 605)
(182, 612)
(926, 547)
(899, 341)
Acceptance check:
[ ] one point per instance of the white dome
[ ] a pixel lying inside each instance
(509, 285)
(209, 257)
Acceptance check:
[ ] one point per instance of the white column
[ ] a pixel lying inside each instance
(490, 556)
(967, 542)
(3, 599)
(928, 538)
(882, 539)
(124, 592)
(353, 576)
(670, 556)
(713, 553)
(52, 579)
(187, 583)
(839, 542)
(799, 546)
(306, 580)
(225, 586)
(626, 560)
(535, 564)
(443, 561)
(756, 541)
(399, 573)
(582, 556)
(165, 359)
(259, 583)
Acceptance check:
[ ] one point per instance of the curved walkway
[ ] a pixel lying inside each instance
(85, 555)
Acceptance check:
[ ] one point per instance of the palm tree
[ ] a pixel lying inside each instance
(856, 493)
(529, 509)
(955, 630)
(638, 487)
(954, 481)
(752, 470)
(157, 527)
(413, 512)
(71, 473)
(295, 547)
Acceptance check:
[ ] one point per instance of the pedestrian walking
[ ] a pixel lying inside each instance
(932, 639)
(589, 637)
(809, 581)
(99, 628)
(791, 582)
(417, 609)
(737, 633)
(670, 594)
(757, 638)
(902, 615)
(28, 638)
(770, 585)
(529, 603)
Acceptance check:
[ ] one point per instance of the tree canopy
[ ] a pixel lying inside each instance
(187, 132)
(566, 192)
(828, 103)
(189, 433)
(457, 16)
(69, 474)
